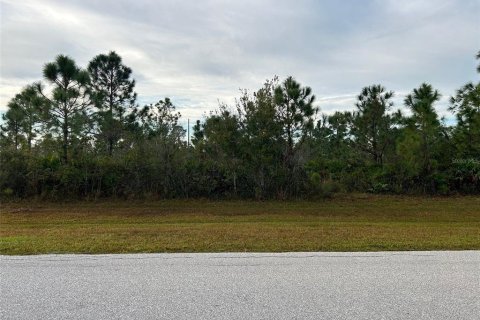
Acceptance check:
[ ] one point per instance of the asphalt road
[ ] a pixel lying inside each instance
(380, 285)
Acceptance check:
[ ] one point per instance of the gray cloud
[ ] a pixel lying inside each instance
(202, 52)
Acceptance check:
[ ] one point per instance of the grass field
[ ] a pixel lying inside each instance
(348, 223)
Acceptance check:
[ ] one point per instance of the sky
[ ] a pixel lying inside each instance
(200, 53)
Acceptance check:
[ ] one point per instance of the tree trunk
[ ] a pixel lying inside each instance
(65, 140)
(235, 183)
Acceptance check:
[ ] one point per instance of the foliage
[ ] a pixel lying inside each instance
(112, 93)
(68, 106)
(83, 136)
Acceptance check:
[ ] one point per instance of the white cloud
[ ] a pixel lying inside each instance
(198, 53)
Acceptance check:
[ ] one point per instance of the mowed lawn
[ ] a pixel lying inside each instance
(347, 223)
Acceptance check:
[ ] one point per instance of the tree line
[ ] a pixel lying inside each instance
(81, 134)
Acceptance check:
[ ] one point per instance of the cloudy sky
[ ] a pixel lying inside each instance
(202, 52)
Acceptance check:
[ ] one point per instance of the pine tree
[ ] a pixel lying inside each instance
(112, 92)
(69, 101)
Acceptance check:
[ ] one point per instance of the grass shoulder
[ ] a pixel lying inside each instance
(355, 222)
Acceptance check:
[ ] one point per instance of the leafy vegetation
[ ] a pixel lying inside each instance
(81, 134)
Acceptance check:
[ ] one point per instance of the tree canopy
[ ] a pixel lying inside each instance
(81, 134)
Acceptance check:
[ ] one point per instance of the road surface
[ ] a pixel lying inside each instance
(368, 285)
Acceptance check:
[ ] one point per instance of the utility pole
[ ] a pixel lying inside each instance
(188, 132)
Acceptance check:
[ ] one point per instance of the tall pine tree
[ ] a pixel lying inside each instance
(112, 92)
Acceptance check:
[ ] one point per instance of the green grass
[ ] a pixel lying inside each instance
(347, 223)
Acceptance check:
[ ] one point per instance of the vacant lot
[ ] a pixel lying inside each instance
(348, 223)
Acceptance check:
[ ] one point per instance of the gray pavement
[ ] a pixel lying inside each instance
(375, 285)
